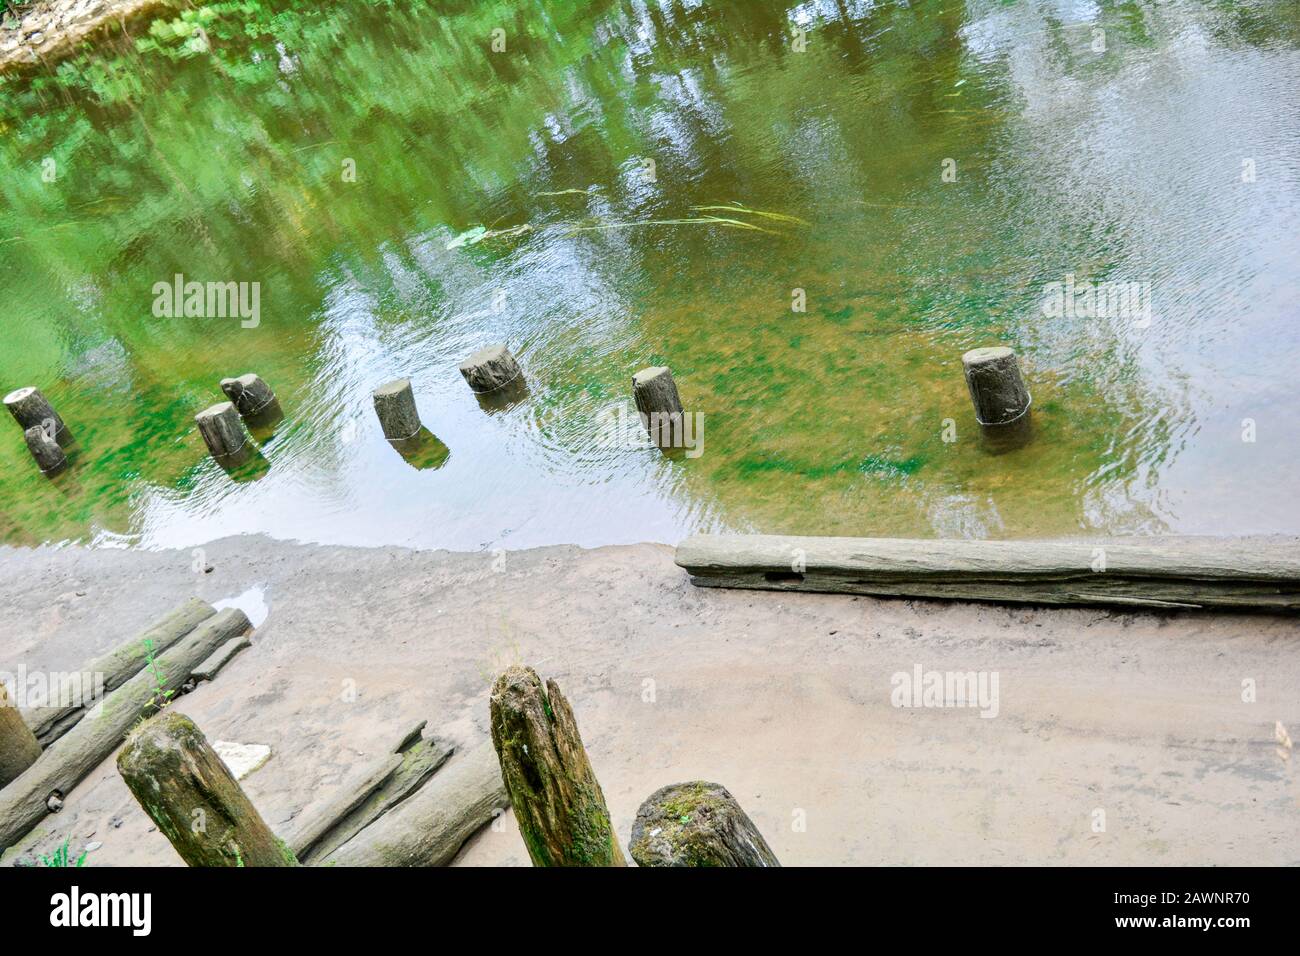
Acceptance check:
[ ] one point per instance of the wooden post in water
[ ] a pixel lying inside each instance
(696, 824)
(556, 797)
(249, 394)
(193, 798)
(491, 369)
(47, 452)
(658, 403)
(31, 410)
(996, 388)
(395, 406)
(222, 430)
(19, 747)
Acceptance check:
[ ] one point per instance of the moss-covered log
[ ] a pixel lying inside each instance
(696, 824)
(26, 801)
(70, 699)
(556, 798)
(193, 797)
(19, 748)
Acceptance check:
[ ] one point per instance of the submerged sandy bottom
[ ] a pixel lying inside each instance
(784, 699)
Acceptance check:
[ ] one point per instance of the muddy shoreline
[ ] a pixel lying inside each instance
(783, 698)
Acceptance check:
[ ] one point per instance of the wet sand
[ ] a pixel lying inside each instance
(785, 699)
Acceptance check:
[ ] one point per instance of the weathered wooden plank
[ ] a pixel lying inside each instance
(431, 826)
(25, 801)
(398, 776)
(1159, 572)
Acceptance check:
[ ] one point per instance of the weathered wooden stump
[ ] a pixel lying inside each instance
(696, 824)
(395, 406)
(31, 410)
(659, 405)
(193, 798)
(491, 369)
(48, 453)
(556, 798)
(223, 431)
(19, 747)
(996, 388)
(251, 396)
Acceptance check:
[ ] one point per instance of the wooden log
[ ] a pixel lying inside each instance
(659, 405)
(192, 796)
(48, 453)
(1261, 574)
(70, 699)
(19, 748)
(25, 802)
(31, 409)
(996, 388)
(395, 406)
(219, 658)
(222, 431)
(696, 824)
(430, 827)
(556, 798)
(324, 831)
(249, 394)
(491, 369)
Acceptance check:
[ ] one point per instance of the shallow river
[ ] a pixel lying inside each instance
(906, 182)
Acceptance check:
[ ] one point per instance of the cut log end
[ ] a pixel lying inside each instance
(222, 430)
(696, 824)
(396, 409)
(250, 395)
(46, 451)
(658, 404)
(557, 800)
(31, 409)
(491, 369)
(996, 388)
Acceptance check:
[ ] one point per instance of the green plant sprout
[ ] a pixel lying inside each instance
(60, 857)
(161, 695)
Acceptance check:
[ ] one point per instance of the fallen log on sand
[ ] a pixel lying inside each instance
(186, 789)
(1258, 574)
(430, 826)
(323, 830)
(69, 700)
(25, 801)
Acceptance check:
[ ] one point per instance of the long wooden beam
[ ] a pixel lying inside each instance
(1261, 574)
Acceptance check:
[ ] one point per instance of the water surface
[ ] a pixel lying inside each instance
(218, 142)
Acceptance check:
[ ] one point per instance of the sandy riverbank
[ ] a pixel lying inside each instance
(785, 699)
